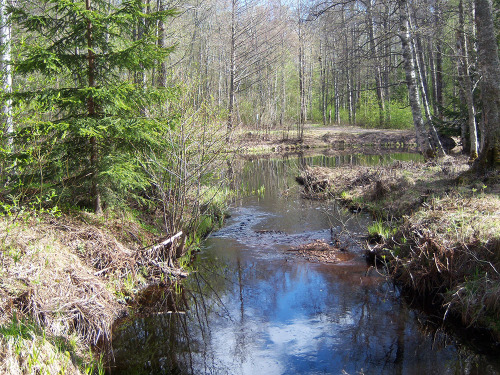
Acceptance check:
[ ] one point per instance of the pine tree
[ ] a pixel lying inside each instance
(88, 116)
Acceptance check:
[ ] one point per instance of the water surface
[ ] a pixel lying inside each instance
(254, 308)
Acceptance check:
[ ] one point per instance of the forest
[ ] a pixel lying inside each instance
(125, 124)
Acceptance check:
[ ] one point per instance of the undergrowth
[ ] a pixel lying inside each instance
(26, 348)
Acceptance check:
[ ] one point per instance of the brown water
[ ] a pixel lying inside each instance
(253, 308)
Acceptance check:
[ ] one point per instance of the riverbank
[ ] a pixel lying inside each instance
(334, 137)
(437, 230)
(66, 278)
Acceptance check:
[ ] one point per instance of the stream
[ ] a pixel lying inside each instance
(252, 307)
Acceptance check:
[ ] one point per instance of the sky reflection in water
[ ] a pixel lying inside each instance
(255, 309)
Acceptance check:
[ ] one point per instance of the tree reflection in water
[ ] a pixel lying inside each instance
(252, 309)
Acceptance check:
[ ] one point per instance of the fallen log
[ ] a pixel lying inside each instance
(161, 245)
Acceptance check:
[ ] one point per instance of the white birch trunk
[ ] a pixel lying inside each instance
(466, 83)
(411, 81)
(5, 45)
(232, 69)
(375, 57)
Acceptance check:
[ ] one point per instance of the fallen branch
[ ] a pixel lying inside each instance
(177, 272)
(164, 243)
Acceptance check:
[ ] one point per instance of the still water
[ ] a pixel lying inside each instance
(251, 307)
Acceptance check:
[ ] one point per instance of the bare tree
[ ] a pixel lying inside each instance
(466, 82)
(411, 81)
(302, 94)
(376, 62)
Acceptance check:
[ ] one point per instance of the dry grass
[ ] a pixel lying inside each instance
(70, 276)
(46, 279)
(446, 250)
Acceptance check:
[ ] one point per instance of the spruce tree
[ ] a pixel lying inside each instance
(84, 109)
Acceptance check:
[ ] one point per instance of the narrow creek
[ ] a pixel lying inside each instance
(251, 307)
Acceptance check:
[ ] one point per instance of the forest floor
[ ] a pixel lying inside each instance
(337, 137)
(436, 231)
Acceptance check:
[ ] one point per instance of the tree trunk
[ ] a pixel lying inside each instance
(375, 57)
(91, 107)
(422, 79)
(336, 99)
(418, 55)
(162, 72)
(346, 66)
(323, 77)
(437, 62)
(5, 42)
(413, 96)
(466, 84)
(232, 68)
(335, 78)
(490, 86)
(302, 93)
(387, 63)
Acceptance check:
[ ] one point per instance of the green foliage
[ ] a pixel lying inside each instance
(396, 115)
(400, 116)
(379, 229)
(30, 342)
(19, 328)
(74, 133)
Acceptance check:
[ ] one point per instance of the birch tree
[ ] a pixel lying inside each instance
(6, 64)
(411, 81)
(466, 82)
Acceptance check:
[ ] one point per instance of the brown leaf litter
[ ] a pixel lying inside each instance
(322, 252)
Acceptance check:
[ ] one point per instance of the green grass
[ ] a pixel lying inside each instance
(34, 351)
(380, 229)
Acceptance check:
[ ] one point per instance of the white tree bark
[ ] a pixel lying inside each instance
(5, 45)
(232, 68)
(417, 55)
(411, 81)
(375, 57)
(302, 93)
(466, 84)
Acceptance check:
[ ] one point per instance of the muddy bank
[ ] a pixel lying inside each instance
(341, 138)
(437, 230)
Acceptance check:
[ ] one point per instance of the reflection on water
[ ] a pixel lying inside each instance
(252, 308)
